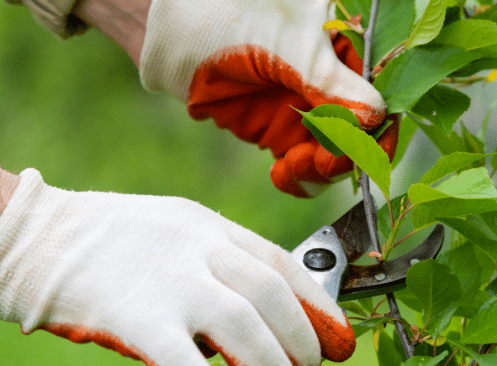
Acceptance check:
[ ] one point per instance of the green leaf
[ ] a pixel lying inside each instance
(446, 145)
(471, 277)
(452, 14)
(383, 214)
(485, 63)
(442, 106)
(409, 299)
(367, 325)
(407, 130)
(434, 286)
(328, 110)
(469, 34)
(335, 110)
(483, 360)
(358, 146)
(448, 164)
(487, 222)
(367, 304)
(492, 287)
(386, 351)
(425, 360)
(353, 307)
(439, 323)
(483, 327)
(456, 239)
(407, 77)
(474, 234)
(429, 25)
(489, 51)
(471, 184)
(393, 23)
(473, 144)
(469, 307)
(461, 260)
(485, 2)
(468, 193)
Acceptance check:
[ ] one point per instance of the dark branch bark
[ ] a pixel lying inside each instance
(484, 348)
(368, 203)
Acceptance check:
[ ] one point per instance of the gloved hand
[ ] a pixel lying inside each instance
(244, 62)
(144, 275)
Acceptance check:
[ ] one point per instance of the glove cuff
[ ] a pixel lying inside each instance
(25, 255)
(179, 36)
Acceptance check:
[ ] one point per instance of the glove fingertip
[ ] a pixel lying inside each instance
(282, 180)
(337, 341)
(299, 162)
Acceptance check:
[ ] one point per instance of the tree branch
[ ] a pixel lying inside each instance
(364, 182)
(484, 348)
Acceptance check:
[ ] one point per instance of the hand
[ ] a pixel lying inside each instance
(245, 62)
(145, 275)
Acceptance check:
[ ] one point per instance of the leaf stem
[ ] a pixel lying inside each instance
(379, 304)
(356, 318)
(451, 357)
(391, 213)
(406, 211)
(391, 54)
(390, 244)
(406, 237)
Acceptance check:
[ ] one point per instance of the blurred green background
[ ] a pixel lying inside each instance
(76, 111)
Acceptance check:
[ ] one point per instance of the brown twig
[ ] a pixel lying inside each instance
(451, 357)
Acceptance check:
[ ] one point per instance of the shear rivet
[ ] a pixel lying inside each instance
(380, 276)
(320, 259)
(413, 261)
(326, 231)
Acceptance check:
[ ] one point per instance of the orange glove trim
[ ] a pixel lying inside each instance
(249, 90)
(337, 342)
(81, 334)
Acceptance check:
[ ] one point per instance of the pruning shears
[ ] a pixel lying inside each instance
(326, 255)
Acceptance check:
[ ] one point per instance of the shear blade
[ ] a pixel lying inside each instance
(353, 232)
(390, 276)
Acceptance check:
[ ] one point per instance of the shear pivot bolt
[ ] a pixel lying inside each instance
(380, 276)
(320, 259)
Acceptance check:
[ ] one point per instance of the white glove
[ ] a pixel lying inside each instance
(244, 62)
(144, 275)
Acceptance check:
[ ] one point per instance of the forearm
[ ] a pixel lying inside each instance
(8, 184)
(123, 21)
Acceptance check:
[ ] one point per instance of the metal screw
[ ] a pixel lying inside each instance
(380, 276)
(326, 231)
(320, 259)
